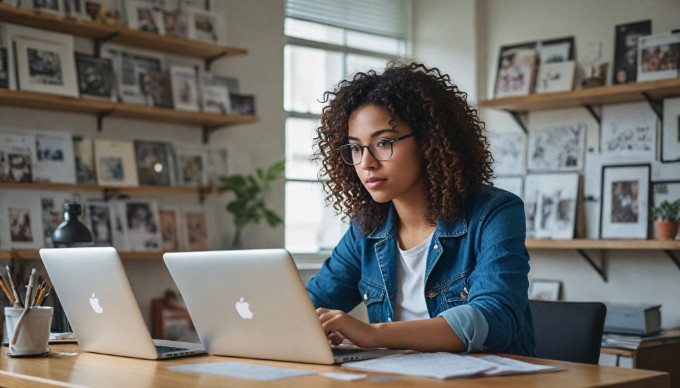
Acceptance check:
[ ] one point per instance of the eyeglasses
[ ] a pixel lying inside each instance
(381, 149)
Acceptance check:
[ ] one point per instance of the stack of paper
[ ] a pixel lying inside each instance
(448, 366)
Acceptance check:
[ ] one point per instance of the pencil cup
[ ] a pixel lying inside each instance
(28, 331)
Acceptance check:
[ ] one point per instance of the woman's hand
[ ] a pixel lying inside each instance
(339, 326)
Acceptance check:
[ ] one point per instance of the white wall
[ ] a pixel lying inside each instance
(634, 276)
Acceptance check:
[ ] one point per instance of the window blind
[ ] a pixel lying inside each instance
(381, 17)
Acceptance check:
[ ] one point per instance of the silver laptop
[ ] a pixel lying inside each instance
(98, 301)
(253, 303)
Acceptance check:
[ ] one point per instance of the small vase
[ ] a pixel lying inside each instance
(666, 230)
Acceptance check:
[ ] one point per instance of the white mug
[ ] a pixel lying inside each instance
(28, 330)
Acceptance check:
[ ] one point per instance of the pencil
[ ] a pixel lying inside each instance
(29, 290)
(6, 290)
(14, 288)
(41, 294)
(44, 298)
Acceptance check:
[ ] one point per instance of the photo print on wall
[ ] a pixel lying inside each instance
(625, 201)
(550, 203)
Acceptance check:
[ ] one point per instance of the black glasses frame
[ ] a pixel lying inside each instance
(390, 141)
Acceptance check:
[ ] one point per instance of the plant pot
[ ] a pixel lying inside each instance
(666, 230)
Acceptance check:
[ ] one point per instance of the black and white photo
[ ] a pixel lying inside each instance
(550, 201)
(100, 221)
(115, 162)
(556, 77)
(144, 16)
(184, 88)
(83, 150)
(128, 67)
(143, 225)
(154, 165)
(156, 89)
(4, 69)
(628, 132)
(626, 49)
(95, 77)
(17, 157)
(191, 165)
(559, 148)
(45, 67)
(509, 152)
(205, 26)
(242, 104)
(55, 161)
(670, 135)
(544, 290)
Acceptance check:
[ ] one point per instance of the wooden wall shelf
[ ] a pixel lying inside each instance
(115, 34)
(23, 99)
(33, 254)
(140, 190)
(615, 94)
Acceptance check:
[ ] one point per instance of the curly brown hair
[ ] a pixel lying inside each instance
(456, 153)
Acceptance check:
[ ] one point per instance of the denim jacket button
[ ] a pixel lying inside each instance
(436, 247)
(464, 293)
(366, 295)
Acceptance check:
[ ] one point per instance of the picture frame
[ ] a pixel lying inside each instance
(83, 151)
(18, 155)
(100, 219)
(115, 162)
(144, 16)
(556, 50)
(625, 201)
(216, 164)
(242, 104)
(214, 94)
(670, 133)
(513, 184)
(4, 68)
(628, 133)
(516, 70)
(128, 66)
(22, 228)
(45, 67)
(668, 190)
(196, 230)
(156, 88)
(559, 148)
(626, 50)
(176, 23)
(191, 165)
(55, 161)
(55, 7)
(658, 57)
(154, 163)
(170, 229)
(556, 77)
(142, 222)
(550, 204)
(102, 11)
(52, 210)
(205, 26)
(184, 88)
(96, 79)
(509, 150)
(543, 289)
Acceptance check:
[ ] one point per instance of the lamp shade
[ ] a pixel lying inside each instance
(72, 232)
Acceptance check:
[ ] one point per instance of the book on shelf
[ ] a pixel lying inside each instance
(633, 342)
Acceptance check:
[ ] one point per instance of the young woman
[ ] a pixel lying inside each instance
(435, 252)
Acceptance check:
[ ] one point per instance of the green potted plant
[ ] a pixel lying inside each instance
(667, 219)
(250, 204)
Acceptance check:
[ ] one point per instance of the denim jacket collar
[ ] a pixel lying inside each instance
(389, 227)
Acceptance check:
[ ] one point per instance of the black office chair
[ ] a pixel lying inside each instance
(568, 331)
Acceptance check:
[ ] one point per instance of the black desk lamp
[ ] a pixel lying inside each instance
(71, 232)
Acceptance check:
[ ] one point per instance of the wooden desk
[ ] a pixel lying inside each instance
(97, 370)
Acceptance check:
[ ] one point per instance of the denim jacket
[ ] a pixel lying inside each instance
(475, 277)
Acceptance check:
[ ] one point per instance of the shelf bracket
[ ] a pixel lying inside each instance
(98, 43)
(518, 119)
(202, 193)
(672, 256)
(209, 61)
(100, 118)
(592, 112)
(600, 271)
(654, 104)
(207, 131)
(110, 193)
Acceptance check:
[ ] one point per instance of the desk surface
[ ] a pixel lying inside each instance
(90, 369)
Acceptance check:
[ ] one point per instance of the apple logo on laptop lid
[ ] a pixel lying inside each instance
(243, 309)
(94, 303)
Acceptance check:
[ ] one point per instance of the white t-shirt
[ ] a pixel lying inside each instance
(411, 282)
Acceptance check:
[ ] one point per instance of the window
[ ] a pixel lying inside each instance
(327, 40)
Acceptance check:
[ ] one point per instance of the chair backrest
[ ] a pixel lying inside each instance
(568, 331)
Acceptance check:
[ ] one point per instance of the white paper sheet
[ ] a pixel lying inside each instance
(242, 370)
(438, 365)
(508, 366)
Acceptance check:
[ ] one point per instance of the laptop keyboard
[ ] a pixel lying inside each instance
(345, 351)
(168, 349)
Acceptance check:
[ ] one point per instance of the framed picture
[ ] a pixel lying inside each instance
(216, 158)
(51, 6)
(184, 87)
(83, 150)
(545, 289)
(196, 230)
(54, 157)
(128, 66)
(550, 204)
(155, 87)
(95, 77)
(556, 77)
(154, 166)
(4, 69)
(144, 16)
(628, 132)
(509, 152)
(191, 165)
(204, 26)
(100, 219)
(665, 191)
(242, 104)
(102, 11)
(17, 157)
(21, 225)
(115, 162)
(670, 135)
(175, 23)
(169, 221)
(556, 50)
(516, 70)
(557, 149)
(626, 49)
(658, 56)
(142, 221)
(625, 201)
(45, 67)
(513, 184)
(215, 94)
